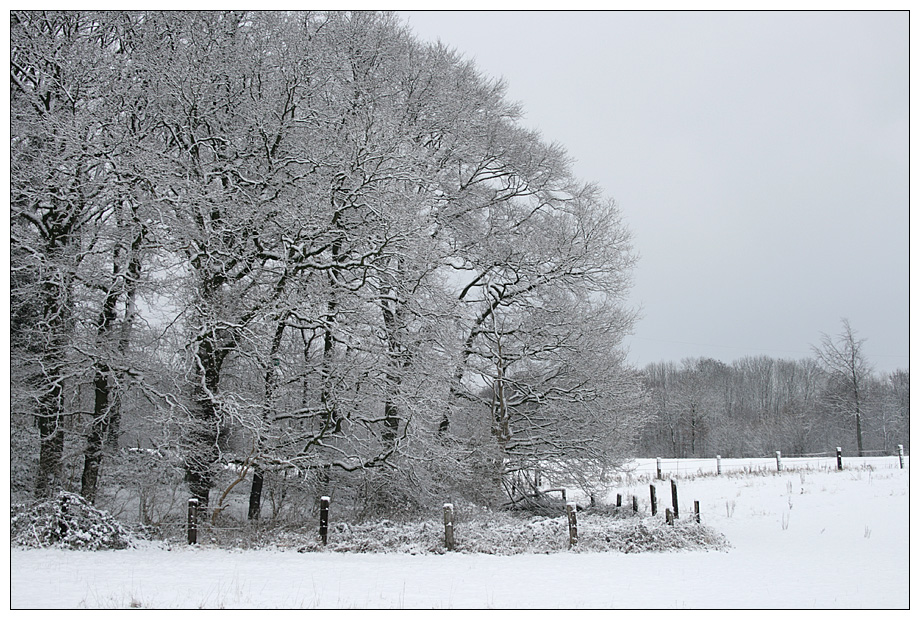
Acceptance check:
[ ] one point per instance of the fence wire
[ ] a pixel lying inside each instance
(775, 462)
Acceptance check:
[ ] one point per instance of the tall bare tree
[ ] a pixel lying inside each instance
(848, 369)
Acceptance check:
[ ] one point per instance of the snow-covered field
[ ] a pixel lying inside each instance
(801, 538)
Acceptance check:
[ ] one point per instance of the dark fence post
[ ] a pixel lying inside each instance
(570, 511)
(619, 500)
(324, 519)
(635, 503)
(658, 467)
(651, 491)
(779, 464)
(449, 526)
(718, 464)
(668, 516)
(674, 499)
(901, 455)
(696, 510)
(839, 459)
(192, 521)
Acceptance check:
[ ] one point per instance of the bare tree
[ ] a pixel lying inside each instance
(849, 372)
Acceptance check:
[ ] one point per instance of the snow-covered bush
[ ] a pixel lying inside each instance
(66, 520)
(640, 535)
(500, 533)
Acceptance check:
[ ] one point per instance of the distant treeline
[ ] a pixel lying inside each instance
(758, 405)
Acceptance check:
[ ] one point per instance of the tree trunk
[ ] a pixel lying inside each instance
(390, 424)
(397, 363)
(856, 394)
(104, 429)
(859, 438)
(132, 278)
(202, 450)
(271, 382)
(50, 455)
(328, 353)
(50, 413)
(255, 495)
(92, 455)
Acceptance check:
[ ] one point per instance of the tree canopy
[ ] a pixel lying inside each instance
(301, 246)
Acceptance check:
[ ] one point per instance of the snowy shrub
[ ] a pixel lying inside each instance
(539, 506)
(384, 536)
(66, 521)
(646, 534)
(507, 534)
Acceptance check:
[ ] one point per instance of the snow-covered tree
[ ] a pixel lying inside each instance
(304, 243)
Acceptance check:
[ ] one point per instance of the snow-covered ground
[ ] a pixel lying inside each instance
(801, 538)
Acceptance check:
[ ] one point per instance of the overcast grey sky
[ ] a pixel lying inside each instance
(760, 159)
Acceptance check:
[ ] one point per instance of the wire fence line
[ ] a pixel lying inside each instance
(659, 467)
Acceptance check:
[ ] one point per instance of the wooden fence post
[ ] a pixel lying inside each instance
(668, 516)
(779, 464)
(192, 521)
(839, 459)
(651, 491)
(718, 464)
(696, 510)
(619, 500)
(324, 519)
(449, 526)
(674, 499)
(658, 467)
(570, 510)
(635, 503)
(901, 455)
